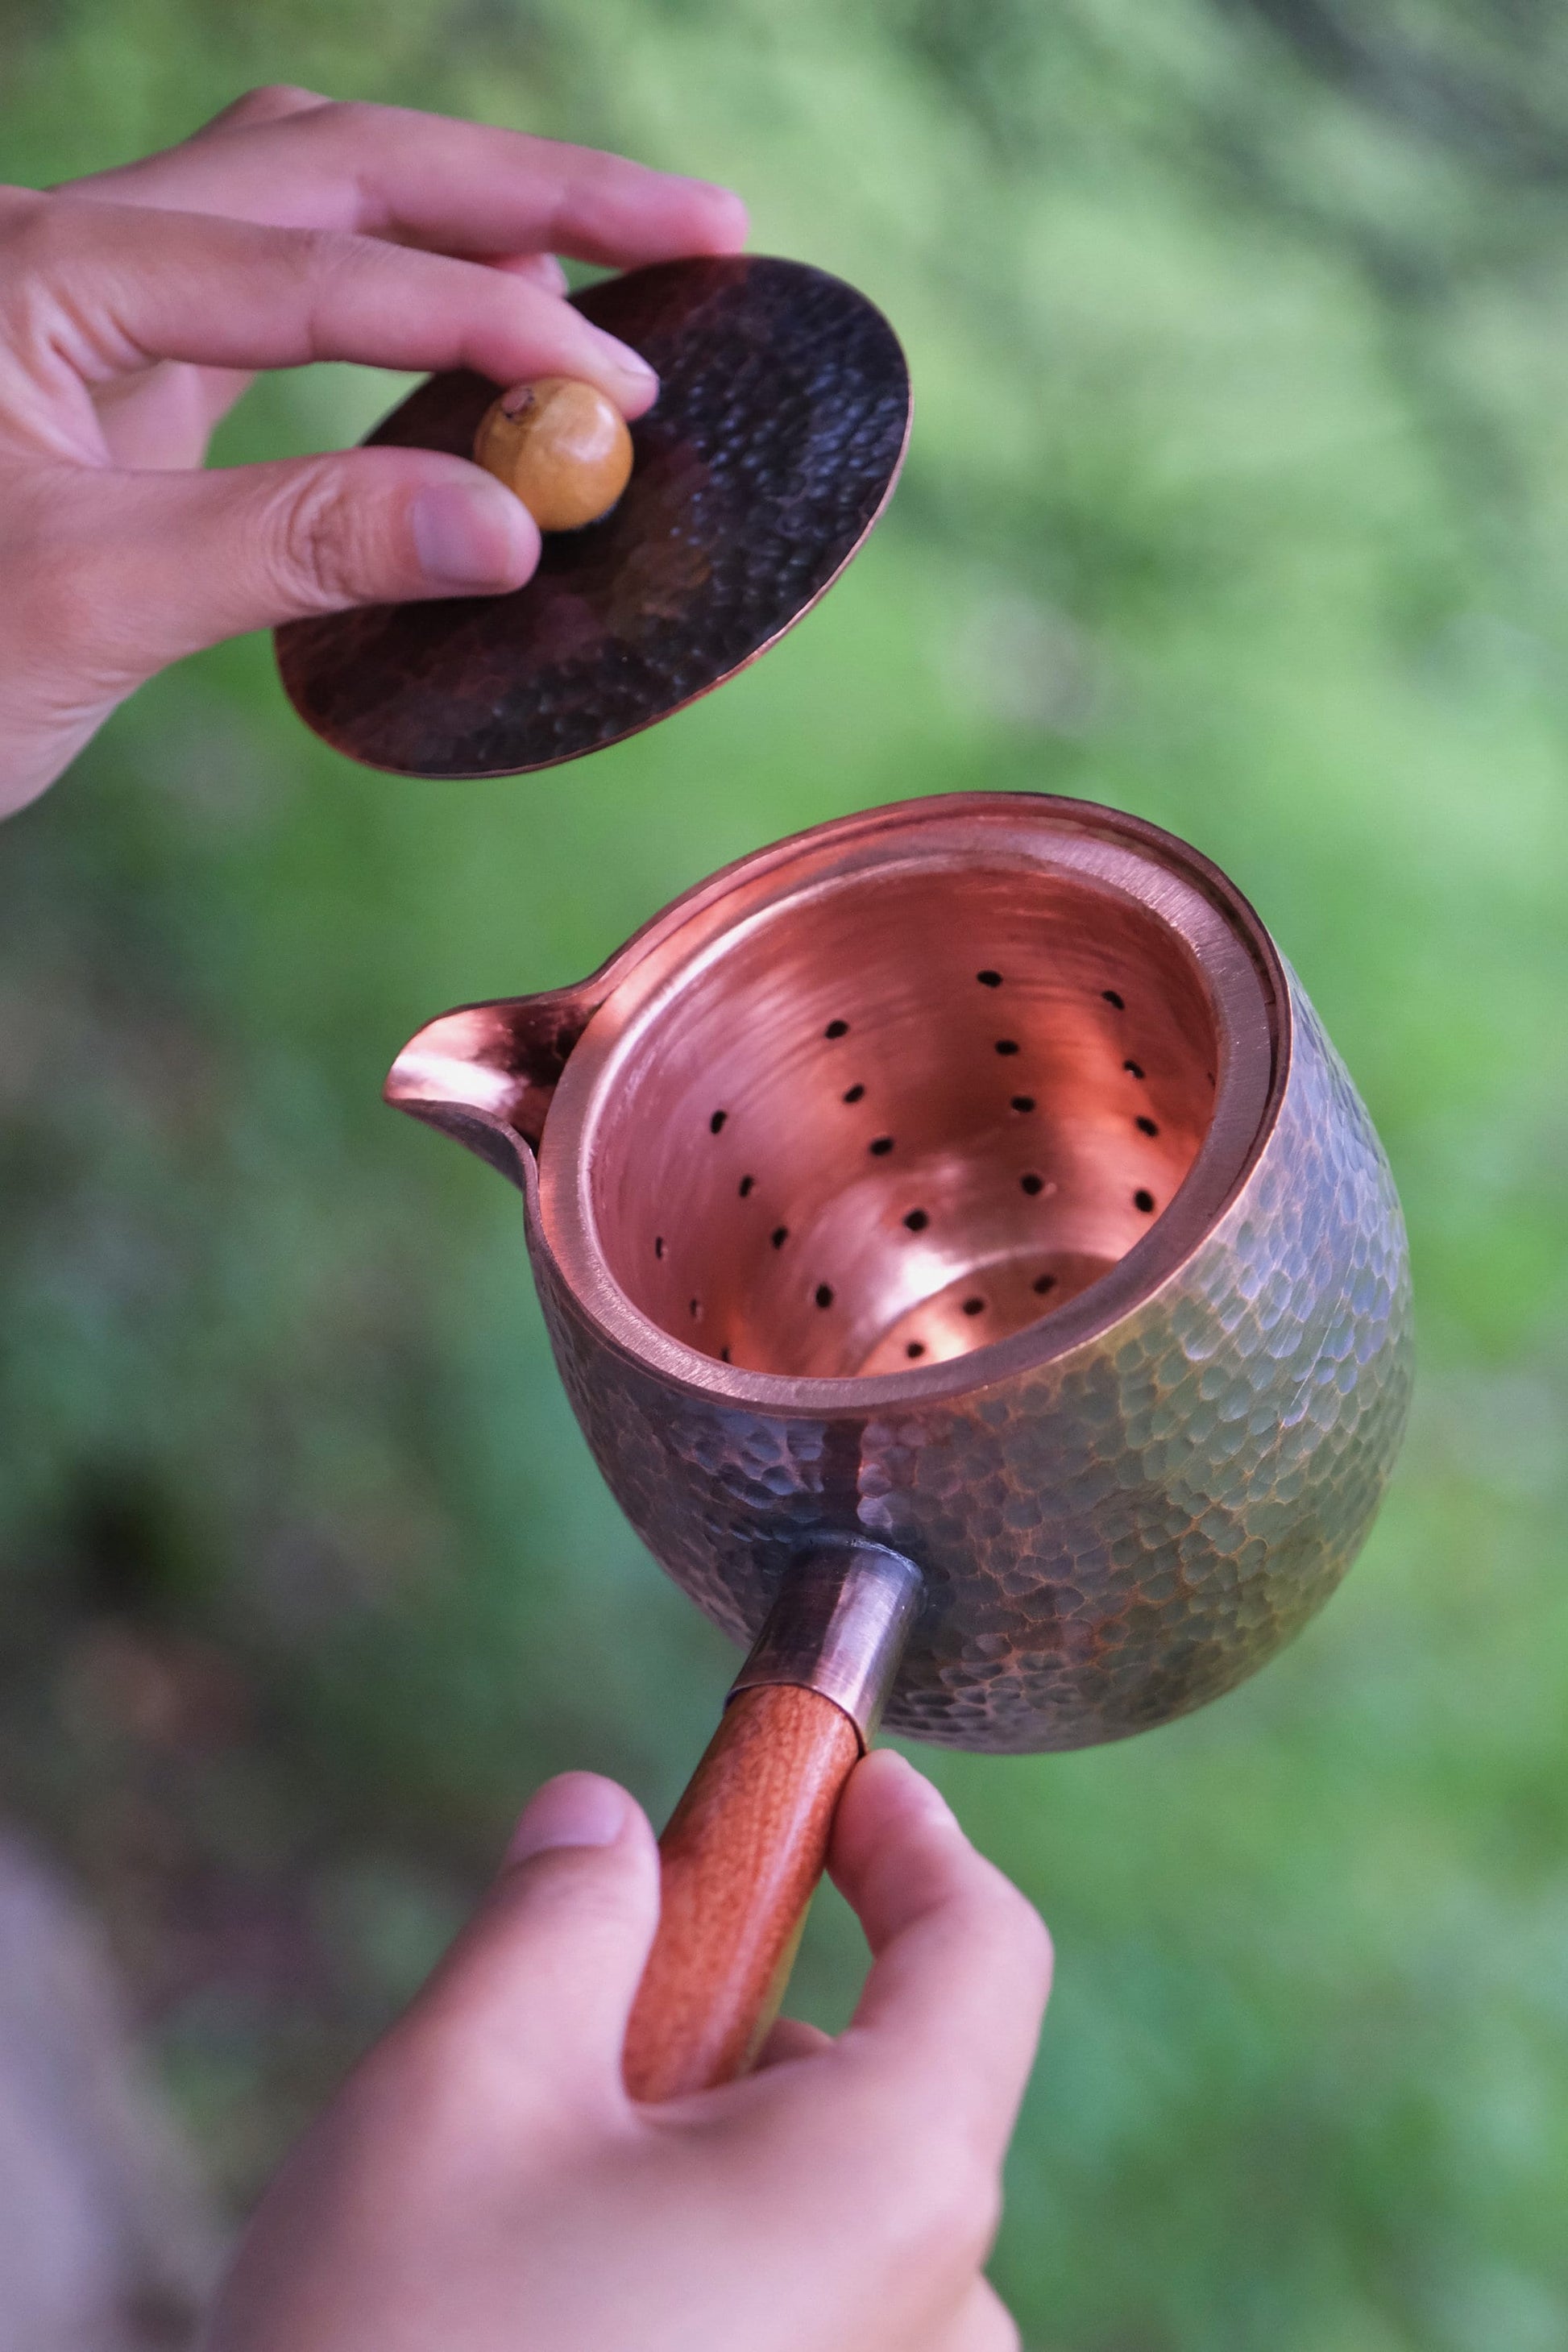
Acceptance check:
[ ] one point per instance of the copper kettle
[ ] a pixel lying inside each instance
(980, 1286)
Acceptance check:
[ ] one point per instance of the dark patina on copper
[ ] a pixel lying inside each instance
(971, 1179)
(783, 417)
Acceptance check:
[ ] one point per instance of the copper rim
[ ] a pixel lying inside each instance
(1114, 873)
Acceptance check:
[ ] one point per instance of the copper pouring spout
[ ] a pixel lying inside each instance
(962, 1192)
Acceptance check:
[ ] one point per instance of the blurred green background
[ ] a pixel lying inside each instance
(1238, 497)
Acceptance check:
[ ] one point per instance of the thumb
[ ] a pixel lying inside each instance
(171, 562)
(538, 1988)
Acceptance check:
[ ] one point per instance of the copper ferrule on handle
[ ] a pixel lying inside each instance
(839, 1625)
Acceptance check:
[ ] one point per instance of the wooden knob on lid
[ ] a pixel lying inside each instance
(562, 445)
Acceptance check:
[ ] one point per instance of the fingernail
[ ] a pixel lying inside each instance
(470, 534)
(578, 1810)
(631, 362)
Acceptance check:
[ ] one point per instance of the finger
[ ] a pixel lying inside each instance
(104, 289)
(962, 1962)
(466, 187)
(790, 2038)
(269, 103)
(540, 1985)
(167, 564)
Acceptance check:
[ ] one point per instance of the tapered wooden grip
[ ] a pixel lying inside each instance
(744, 1849)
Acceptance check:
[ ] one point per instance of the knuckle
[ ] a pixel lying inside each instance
(351, 115)
(320, 254)
(327, 263)
(320, 547)
(269, 99)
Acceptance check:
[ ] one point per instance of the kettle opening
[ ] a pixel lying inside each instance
(905, 1117)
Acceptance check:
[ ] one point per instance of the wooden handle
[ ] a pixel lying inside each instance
(743, 1851)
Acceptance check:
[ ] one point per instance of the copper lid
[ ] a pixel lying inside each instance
(777, 437)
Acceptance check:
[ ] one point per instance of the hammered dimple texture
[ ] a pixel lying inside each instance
(783, 411)
(1109, 1539)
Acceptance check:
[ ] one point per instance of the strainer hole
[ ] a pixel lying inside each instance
(1144, 1201)
(989, 979)
(1032, 1184)
(1111, 998)
(1022, 1102)
(917, 1221)
(748, 1185)
(1133, 1069)
(716, 1123)
(915, 1348)
(658, 1244)
(974, 1306)
(837, 1029)
(695, 1309)
(1006, 1045)
(853, 1093)
(1145, 1126)
(825, 1293)
(1043, 1282)
(880, 1146)
(779, 1235)
(723, 1355)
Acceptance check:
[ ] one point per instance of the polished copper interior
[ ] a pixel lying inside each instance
(902, 1117)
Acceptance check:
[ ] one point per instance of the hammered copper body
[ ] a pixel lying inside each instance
(969, 1178)
(781, 425)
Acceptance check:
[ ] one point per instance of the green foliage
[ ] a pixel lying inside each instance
(1237, 499)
